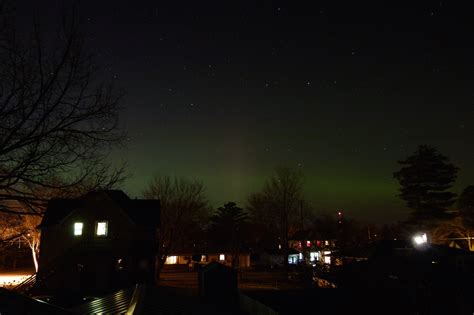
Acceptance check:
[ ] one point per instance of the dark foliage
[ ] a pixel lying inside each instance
(425, 179)
(228, 228)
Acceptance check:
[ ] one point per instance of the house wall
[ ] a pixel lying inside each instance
(90, 261)
(244, 259)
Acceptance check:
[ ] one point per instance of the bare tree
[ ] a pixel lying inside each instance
(453, 230)
(183, 205)
(57, 120)
(22, 229)
(16, 227)
(278, 204)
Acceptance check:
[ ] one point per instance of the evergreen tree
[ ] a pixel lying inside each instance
(425, 179)
(227, 229)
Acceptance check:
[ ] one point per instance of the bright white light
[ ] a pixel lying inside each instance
(313, 256)
(171, 260)
(327, 252)
(221, 257)
(327, 259)
(420, 239)
(78, 228)
(301, 256)
(101, 228)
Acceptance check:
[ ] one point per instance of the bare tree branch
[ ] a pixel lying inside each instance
(182, 205)
(57, 120)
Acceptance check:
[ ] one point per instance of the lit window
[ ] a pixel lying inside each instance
(221, 257)
(308, 243)
(78, 228)
(101, 228)
(119, 264)
(171, 260)
(326, 243)
(203, 257)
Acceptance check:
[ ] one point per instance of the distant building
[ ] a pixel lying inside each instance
(312, 246)
(203, 257)
(101, 241)
(274, 257)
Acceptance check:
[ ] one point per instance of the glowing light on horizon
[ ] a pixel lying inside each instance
(420, 239)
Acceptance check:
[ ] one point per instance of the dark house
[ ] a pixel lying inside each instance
(99, 242)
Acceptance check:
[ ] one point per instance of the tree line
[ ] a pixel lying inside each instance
(59, 122)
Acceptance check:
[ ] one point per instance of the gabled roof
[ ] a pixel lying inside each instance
(276, 251)
(304, 235)
(140, 211)
(58, 209)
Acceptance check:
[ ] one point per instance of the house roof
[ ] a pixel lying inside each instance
(304, 235)
(59, 208)
(15, 303)
(150, 300)
(275, 251)
(310, 234)
(115, 303)
(140, 211)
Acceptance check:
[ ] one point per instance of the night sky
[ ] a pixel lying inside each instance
(224, 92)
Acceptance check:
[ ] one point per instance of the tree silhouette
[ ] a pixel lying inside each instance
(425, 178)
(277, 206)
(466, 206)
(454, 229)
(183, 205)
(57, 118)
(227, 228)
